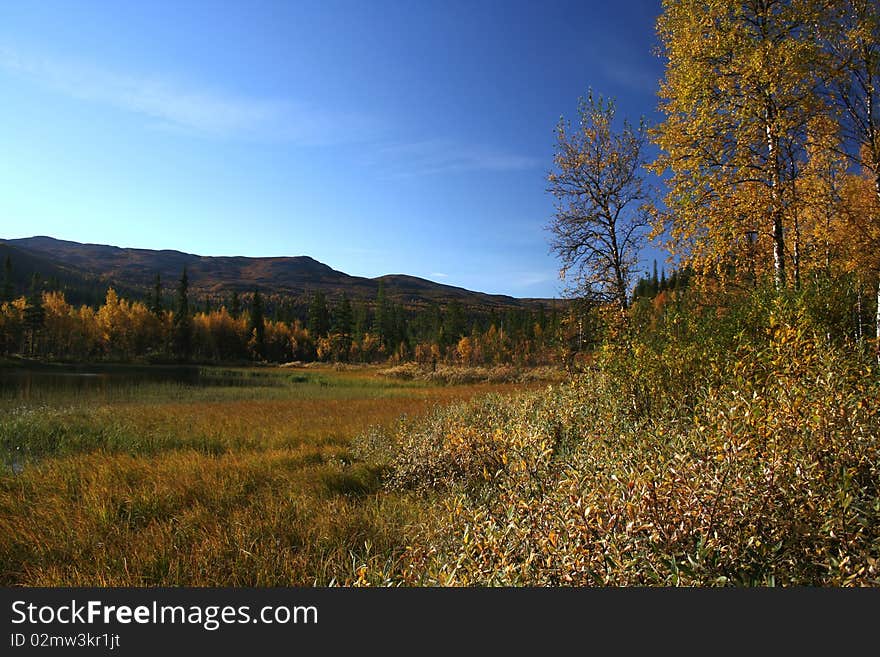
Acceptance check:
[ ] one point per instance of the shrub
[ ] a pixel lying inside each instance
(752, 458)
(458, 375)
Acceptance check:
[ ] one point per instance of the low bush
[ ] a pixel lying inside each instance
(751, 460)
(460, 374)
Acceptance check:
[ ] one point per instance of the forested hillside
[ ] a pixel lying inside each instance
(213, 279)
(252, 327)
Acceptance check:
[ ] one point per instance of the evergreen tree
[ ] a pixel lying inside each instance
(342, 320)
(34, 314)
(7, 280)
(397, 328)
(455, 322)
(436, 324)
(183, 327)
(553, 325)
(642, 288)
(319, 316)
(282, 310)
(258, 324)
(381, 317)
(156, 304)
(235, 305)
(361, 315)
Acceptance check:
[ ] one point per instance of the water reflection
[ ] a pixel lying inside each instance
(30, 384)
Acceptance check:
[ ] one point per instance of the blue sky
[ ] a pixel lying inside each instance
(378, 137)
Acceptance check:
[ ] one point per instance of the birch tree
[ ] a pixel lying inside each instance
(601, 201)
(852, 39)
(738, 91)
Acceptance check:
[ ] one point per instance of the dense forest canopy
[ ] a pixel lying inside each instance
(253, 327)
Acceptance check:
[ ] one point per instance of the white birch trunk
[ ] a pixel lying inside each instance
(877, 314)
(877, 320)
(775, 210)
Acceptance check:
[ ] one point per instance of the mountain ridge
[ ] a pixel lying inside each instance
(136, 269)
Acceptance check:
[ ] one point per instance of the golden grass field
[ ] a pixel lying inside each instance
(240, 485)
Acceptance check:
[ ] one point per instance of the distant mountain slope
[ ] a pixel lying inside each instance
(136, 269)
(79, 286)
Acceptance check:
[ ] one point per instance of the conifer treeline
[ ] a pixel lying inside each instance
(43, 324)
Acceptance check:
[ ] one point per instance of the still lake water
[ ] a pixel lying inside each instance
(71, 381)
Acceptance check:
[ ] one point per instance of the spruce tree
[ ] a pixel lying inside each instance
(319, 316)
(455, 321)
(34, 314)
(380, 318)
(396, 332)
(361, 314)
(7, 280)
(156, 303)
(435, 323)
(183, 327)
(258, 324)
(235, 305)
(342, 324)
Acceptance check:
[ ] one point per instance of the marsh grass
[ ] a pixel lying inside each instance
(164, 483)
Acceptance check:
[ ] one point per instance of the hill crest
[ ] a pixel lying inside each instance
(135, 269)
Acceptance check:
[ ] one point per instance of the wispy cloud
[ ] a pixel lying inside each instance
(438, 274)
(632, 76)
(190, 107)
(622, 67)
(437, 156)
(528, 279)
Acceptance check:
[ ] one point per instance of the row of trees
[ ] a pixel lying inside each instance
(648, 287)
(769, 151)
(43, 324)
(772, 137)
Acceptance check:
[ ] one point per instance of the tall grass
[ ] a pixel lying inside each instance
(168, 484)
